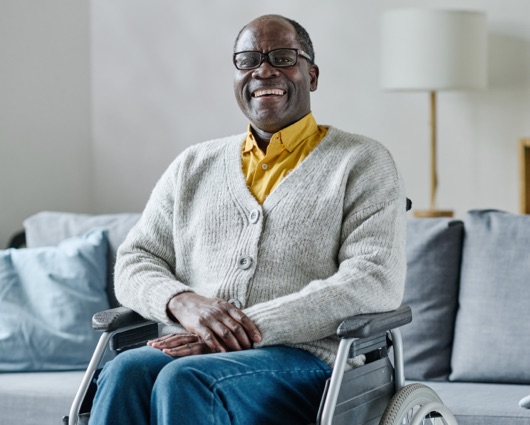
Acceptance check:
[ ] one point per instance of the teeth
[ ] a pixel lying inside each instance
(276, 92)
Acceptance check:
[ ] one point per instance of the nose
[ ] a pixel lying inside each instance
(265, 70)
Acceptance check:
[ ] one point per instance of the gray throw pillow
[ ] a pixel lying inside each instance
(49, 228)
(492, 333)
(431, 290)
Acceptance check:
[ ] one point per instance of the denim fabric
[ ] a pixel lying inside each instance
(271, 385)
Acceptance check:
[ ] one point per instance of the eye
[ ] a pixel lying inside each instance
(283, 60)
(247, 60)
(282, 57)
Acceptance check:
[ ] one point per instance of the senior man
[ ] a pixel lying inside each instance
(257, 246)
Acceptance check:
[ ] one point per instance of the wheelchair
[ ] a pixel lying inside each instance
(372, 394)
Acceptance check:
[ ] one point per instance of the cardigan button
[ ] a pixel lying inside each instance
(244, 263)
(254, 216)
(236, 303)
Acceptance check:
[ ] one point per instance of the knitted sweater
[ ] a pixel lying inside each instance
(327, 243)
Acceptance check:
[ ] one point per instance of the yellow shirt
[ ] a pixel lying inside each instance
(287, 148)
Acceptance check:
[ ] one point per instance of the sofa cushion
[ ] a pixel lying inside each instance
(483, 404)
(37, 398)
(48, 228)
(47, 299)
(431, 290)
(492, 333)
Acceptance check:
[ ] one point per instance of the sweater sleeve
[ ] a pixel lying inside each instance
(370, 277)
(144, 273)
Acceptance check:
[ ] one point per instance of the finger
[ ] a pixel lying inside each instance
(238, 332)
(165, 337)
(248, 325)
(175, 336)
(187, 350)
(226, 336)
(208, 336)
(173, 340)
(162, 338)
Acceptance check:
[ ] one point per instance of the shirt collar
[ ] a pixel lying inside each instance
(290, 136)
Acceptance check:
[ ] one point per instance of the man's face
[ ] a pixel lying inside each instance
(290, 97)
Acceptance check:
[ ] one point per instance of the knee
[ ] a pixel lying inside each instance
(137, 365)
(183, 374)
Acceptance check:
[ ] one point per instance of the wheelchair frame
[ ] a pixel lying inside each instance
(369, 334)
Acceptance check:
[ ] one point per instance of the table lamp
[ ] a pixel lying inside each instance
(432, 50)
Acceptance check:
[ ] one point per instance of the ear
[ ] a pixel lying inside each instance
(313, 73)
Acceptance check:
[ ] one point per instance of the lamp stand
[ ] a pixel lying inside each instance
(432, 211)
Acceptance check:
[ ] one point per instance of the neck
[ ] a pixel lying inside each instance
(262, 138)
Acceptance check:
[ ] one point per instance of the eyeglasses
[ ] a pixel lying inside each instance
(278, 58)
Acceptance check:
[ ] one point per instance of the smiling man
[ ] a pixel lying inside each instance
(254, 248)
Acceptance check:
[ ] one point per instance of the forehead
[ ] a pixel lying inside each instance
(267, 34)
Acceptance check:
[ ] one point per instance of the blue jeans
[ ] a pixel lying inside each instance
(271, 385)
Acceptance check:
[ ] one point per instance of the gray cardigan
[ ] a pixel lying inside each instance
(328, 242)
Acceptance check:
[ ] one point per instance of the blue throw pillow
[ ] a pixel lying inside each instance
(48, 228)
(47, 299)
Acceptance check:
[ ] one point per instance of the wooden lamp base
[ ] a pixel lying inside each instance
(432, 213)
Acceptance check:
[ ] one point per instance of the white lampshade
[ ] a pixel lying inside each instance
(433, 50)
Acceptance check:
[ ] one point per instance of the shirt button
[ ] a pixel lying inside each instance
(264, 166)
(244, 263)
(254, 216)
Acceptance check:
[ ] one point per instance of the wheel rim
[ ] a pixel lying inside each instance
(405, 405)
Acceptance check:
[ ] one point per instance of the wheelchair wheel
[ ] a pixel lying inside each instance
(417, 404)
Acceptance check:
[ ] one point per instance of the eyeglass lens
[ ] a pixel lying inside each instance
(278, 58)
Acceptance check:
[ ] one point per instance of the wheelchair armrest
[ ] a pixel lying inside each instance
(128, 328)
(116, 318)
(367, 325)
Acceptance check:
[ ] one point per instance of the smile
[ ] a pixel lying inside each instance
(268, 92)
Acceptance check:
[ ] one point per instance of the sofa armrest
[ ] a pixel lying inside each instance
(367, 325)
(116, 318)
(18, 240)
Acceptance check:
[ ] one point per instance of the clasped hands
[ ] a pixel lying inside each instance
(213, 325)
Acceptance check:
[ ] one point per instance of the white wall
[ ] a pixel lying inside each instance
(45, 128)
(160, 79)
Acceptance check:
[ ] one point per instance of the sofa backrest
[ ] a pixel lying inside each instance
(49, 228)
(468, 284)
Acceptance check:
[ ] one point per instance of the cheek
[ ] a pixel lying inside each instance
(303, 88)
(238, 91)
(242, 100)
(239, 86)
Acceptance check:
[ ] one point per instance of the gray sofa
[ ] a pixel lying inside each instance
(467, 285)
(42, 397)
